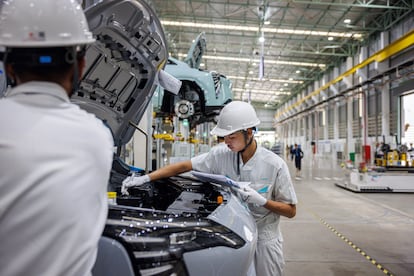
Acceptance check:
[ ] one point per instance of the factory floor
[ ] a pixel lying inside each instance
(339, 232)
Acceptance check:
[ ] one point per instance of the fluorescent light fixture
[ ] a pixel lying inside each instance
(258, 91)
(332, 46)
(347, 21)
(261, 39)
(268, 61)
(256, 29)
(270, 80)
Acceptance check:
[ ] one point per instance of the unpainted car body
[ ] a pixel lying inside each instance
(203, 93)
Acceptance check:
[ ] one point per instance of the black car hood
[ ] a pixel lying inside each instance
(122, 65)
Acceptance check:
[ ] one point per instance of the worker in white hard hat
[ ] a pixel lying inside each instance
(55, 159)
(270, 193)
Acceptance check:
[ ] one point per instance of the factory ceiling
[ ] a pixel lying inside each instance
(271, 50)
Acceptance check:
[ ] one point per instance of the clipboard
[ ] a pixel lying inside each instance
(216, 178)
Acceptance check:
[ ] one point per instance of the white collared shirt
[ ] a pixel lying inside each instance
(268, 174)
(55, 160)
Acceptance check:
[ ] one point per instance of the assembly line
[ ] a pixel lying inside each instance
(121, 155)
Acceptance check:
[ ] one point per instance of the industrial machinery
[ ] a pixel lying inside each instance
(393, 172)
(167, 227)
(399, 158)
(375, 181)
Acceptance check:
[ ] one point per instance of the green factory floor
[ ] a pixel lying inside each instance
(339, 232)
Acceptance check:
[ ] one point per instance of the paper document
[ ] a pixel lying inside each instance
(169, 82)
(218, 179)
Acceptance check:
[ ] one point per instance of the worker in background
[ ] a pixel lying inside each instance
(298, 155)
(55, 158)
(270, 193)
(287, 149)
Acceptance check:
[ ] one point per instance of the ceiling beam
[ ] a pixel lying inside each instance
(359, 4)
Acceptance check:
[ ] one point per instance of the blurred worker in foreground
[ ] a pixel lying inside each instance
(55, 158)
(270, 194)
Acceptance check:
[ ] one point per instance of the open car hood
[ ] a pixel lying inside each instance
(196, 51)
(122, 65)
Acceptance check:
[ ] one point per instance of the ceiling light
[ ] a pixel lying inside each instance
(347, 21)
(297, 71)
(261, 39)
(256, 29)
(269, 80)
(330, 38)
(239, 59)
(332, 46)
(266, 92)
(267, 22)
(293, 63)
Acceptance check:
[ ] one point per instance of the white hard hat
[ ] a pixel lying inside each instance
(235, 116)
(43, 23)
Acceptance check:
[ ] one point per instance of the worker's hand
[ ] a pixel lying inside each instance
(249, 195)
(132, 181)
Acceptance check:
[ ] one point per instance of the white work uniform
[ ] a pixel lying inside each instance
(269, 175)
(55, 161)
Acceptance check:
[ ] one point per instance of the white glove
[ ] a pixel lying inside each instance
(251, 196)
(132, 181)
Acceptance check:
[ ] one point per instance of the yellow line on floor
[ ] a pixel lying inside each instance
(359, 250)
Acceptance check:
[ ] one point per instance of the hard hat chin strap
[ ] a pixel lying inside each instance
(3, 57)
(75, 77)
(239, 153)
(248, 143)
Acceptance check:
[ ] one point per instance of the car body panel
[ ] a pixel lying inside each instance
(196, 51)
(155, 216)
(122, 65)
(226, 261)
